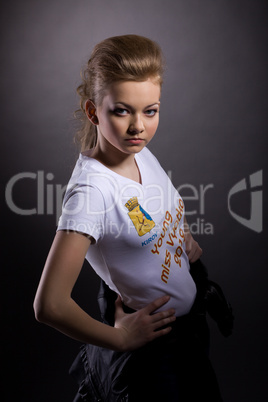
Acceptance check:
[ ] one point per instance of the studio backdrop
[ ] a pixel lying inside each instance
(212, 141)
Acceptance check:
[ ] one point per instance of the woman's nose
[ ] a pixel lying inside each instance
(136, 126)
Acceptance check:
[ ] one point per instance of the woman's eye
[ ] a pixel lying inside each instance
(120, 111)
(151, 112)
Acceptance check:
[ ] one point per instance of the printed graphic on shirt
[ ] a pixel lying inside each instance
(141, 219)
(173, 237)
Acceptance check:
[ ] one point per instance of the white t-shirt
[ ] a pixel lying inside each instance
(139, 248)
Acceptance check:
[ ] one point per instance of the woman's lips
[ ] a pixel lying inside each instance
(134, 141)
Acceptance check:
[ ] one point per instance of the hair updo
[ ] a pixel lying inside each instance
(120, 58)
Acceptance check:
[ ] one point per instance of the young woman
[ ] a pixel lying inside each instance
(123, 215)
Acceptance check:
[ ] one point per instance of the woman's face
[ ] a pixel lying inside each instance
(129, 115)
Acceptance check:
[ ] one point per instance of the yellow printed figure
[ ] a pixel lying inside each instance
(141, 219)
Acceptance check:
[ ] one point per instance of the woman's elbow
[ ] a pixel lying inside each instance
(45, 311)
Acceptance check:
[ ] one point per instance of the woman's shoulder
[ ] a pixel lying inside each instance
(89, 174)
(87, 168)
(148, 158)
(146, 154)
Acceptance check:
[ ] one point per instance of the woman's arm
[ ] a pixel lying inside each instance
(54, 305)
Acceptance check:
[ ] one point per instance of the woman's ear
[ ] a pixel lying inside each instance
(90, 110)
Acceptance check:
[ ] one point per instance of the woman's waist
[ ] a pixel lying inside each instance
(182, 302)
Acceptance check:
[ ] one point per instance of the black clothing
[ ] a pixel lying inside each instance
(172, 368)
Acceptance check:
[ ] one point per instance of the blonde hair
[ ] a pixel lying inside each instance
(119, 58)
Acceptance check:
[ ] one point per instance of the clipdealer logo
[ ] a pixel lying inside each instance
(49, 197)
(256, 201)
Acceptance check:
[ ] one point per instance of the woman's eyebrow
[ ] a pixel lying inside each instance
(153, 104)
(130, 107)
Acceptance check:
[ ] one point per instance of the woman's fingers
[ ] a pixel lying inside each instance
(144, 325)
(162, 318)
(193, 250)
(156, 304)
(162, 332)
(165, 316)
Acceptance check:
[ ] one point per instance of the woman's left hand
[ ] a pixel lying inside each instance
(193, 250)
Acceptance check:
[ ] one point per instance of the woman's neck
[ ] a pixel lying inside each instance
(119, 162)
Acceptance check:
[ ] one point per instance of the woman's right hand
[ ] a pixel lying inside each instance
(143, 326)
(54, 305)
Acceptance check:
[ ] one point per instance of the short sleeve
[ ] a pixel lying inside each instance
(83, 211)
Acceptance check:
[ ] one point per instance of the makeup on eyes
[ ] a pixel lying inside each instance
(122, 109)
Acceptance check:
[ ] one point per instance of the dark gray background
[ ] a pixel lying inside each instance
(213, 132)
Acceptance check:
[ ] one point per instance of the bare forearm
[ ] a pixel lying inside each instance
(74, 322)
(54, 306)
